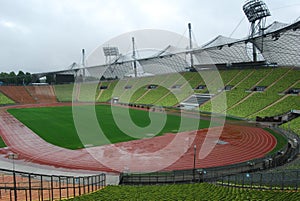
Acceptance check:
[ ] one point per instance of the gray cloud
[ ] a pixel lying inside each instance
(48, 35)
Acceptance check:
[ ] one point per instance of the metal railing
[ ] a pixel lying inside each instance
(283, 180)
(16, 185)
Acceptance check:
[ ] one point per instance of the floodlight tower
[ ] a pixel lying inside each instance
(256, 11)
(110, 52)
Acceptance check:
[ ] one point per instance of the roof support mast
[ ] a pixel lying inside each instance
(83, 63)
(191, 44)
(134, 58)
(253, 46)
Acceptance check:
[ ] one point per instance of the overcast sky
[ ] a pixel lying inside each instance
(48, 35)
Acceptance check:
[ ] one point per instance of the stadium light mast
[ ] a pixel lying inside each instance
(134, 57)
(256, 12)
(191, 44)
(109, 53)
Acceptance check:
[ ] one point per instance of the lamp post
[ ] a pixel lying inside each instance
(14, 156)
(194, 167)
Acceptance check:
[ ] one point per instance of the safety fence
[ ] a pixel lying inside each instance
(15, 185)
(282, 180)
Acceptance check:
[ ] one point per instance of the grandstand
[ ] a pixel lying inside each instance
(29, 94)
(272, 101)
(17, 93)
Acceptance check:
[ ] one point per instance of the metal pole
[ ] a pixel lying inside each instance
(13, 157)
(253, 45)
(15, 184)
(194, 167)
(134, 58)
(67, 187)
(52, 193)
(92, 183)
(29, 187)
(74, 190)
(191, 44)
(42, 188)
(59, 186)
(84, 185)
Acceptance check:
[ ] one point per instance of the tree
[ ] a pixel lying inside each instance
(12, 78)
(4, 77)
(21, 78)
(28, 78)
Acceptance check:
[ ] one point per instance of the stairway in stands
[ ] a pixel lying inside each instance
(195, 100)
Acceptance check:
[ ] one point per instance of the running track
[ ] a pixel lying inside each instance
(243, 144)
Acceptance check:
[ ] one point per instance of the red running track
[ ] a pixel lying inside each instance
(153, 154)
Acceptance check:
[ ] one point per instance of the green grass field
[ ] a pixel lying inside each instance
(203, 191)
(55, 124)
(281, 141)
(2, 144)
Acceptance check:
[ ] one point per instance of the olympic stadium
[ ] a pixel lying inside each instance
(152, 115)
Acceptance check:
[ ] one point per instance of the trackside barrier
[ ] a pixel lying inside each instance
(281, 180)
(21, 186)
(248, 174)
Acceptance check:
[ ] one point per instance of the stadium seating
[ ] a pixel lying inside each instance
(106, 94)
(42, 94)
(243, 102)
(259, 101)
(87, 91)
(18, 93)
(282, 105)
(293, 125)
(64, 92)
(203, 191)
